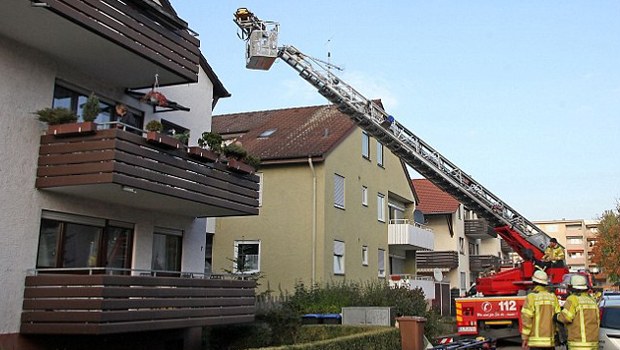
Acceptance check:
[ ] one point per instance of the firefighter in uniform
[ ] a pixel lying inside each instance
(580, 314)
(538, 327)
(554, 254)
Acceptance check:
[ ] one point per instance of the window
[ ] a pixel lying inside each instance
(365, 196)
(365, 145)
(379, 154)
(166, 249)
(247, 257)
(380, 207)
(574, 240)
(364, 255)
(73, 100)
(473, 248)
(171, 128)
(338, 257)
(461, 245)
(338, 191)
(73, 241)
(396, 211)
(381, 262)
(463, 281)
(574, 255)
(209, 254)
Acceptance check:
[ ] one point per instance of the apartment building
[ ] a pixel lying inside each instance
(465, 246)
(578, 237)
(104, 230)
(329, 192)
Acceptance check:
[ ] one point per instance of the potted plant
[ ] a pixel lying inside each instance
(91, 109)
(62, 121)
(235, 155)
(209, 147)
(154, 135)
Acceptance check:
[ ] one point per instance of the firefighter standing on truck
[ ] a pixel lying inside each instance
(537, 315)
(580, 314)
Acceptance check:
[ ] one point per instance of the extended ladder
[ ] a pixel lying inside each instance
(375, 121)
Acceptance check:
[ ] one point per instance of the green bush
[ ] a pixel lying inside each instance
(58, 115)
(154, 125)
(91, 108)
(211, 140)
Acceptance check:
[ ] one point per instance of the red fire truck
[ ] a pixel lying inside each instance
(499, 299)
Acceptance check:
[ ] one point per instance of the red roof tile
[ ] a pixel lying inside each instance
(432, 199)
(298, 132)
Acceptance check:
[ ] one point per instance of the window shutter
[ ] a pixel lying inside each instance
(338, 191)
(338, 248)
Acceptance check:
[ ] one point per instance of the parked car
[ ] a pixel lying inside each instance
(609, 335)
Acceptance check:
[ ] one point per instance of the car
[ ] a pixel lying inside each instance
(609, 334)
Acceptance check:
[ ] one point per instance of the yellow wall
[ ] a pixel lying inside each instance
(285, 223)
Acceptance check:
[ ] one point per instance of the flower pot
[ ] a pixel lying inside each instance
(162, 140)
(72, 129)
(201, 154)
(239, 166)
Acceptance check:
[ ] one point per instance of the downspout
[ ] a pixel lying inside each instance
(313, 220)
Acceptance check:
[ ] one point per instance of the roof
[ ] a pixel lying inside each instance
(432, 199)
(288, 135)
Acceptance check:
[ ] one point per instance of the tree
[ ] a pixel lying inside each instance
(606, 252)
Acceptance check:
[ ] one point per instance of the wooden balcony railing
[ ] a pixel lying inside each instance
(437, 259)
(110, 304)
(479, 263)
(120, 167)
(479, 228)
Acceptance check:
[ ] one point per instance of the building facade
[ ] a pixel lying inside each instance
(105, 230)
(329, 193)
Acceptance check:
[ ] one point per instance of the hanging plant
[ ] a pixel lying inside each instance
(155, 97)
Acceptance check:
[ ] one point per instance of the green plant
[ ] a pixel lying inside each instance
(183, 137)
(58, 115)
(211, 140)
(154, 125)
(91, 108)
(235, 150)
(252, 161)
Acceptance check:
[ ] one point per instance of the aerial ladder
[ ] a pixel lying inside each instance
(525, 238)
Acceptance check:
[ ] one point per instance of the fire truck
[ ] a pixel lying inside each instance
(495, 311)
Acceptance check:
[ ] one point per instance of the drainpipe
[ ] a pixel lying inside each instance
(313, 220)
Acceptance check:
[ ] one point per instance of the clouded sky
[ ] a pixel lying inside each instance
(522, 95)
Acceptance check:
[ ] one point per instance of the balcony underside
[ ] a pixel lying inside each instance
(118, 167)
(479, 229)
(109, 39)
(479, 263)
(105, 304)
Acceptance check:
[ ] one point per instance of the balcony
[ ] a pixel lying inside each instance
(443, 260)
(479, 229)
(118, 167)
(479, 263)
(124, 43)
(111, 304)
(410, 236)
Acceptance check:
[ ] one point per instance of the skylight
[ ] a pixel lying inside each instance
(267, 133)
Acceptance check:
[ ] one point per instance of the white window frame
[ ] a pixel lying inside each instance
(365, 145)
(365, 255)
(236, 256)
(261, 183)
(339, 191)
(381, 207)
(339, 249)
(381, 262)
(365, 196)
(379, 154)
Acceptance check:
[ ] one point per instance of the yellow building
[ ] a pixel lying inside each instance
(328, 193)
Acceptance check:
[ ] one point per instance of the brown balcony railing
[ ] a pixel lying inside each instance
(437, 259)
(479, 228)
(108, 304)
(479, 263)
(120, 167)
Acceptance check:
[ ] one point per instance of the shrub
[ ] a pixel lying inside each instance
(211, 140)
(235, 150)
(154, 125)
(91, 108)
(252, 161)
(58, 115)
(183, 137)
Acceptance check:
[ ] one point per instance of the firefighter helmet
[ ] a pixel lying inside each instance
(540, 277)
(578, 282)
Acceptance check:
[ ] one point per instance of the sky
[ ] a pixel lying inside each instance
(522, 95)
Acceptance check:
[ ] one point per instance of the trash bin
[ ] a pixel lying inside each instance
(411, 332)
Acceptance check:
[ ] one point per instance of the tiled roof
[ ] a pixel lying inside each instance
(297, 132)
(432, 199)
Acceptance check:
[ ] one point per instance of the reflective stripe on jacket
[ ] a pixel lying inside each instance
(537, 313)
(580, 314)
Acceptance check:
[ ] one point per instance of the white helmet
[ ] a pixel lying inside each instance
(540, 277)
(578, 282)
